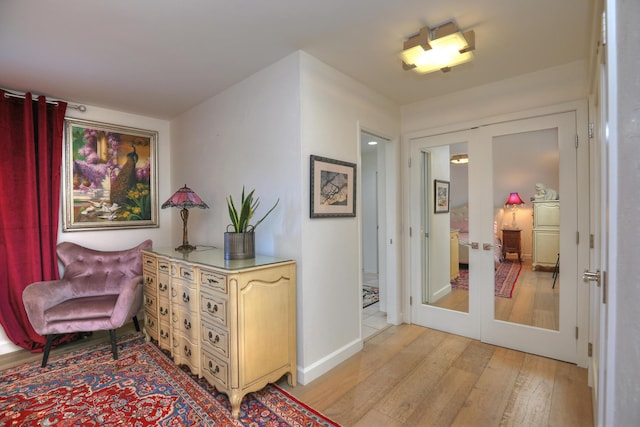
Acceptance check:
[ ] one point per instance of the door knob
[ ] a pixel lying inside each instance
(590, 276)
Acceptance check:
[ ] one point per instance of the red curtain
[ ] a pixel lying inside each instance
(30, 163)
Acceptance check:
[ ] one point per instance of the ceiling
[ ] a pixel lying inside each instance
(159, 58)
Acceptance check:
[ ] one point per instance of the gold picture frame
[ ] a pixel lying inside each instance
(110, 176)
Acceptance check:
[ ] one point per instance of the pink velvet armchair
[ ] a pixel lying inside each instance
(100, 290)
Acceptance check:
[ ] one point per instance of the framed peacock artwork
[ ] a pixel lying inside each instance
(109, 177)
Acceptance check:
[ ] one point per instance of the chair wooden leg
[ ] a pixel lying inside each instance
(136, 324)
(114, 347)
(47, 348)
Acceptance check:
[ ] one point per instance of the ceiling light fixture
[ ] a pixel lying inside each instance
(372, 142)
(439, 48)
(458, 159)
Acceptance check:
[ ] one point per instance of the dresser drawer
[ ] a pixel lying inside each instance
(184, 322)
(184, 296)
(185, 351)
(151, 324)
(150, 303)
(214, 281)
(216, 339)
(164, 336)
(214, 370)
(164, 266)
(213, 308)
(163, 285)
(149, 262)
(184, 272)
(163, 311)
(150, 281)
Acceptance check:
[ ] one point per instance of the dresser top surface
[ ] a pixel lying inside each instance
(214, 257)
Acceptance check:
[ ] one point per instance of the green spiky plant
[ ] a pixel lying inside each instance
(248, 206)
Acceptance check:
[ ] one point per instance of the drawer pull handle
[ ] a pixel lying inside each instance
(187, 351)
(187, 324)
(212, 281)
(148, 302)
(164, 334)
(152, 324)
(149, 261)
(186, 274)
(212, 369)
(213, 309)
(164, 311)
(163, 287)
(212, 339)
(163, 267)
(185, 297)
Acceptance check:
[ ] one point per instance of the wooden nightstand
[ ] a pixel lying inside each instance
(511, 243)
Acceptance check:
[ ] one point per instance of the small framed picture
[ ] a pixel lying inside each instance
(333, 188)
(110, 176)
(441, 196)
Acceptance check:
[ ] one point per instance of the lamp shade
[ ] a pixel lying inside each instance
(514, 199)
(185, 198)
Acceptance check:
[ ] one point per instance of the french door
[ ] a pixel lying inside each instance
(457, 221)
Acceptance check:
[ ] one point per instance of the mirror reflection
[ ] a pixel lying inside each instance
(527, 227)
(454, 224)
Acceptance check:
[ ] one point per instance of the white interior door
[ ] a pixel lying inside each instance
(431, 245)
(430, 256)
(560, 340)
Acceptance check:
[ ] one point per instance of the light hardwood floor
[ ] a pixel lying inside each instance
(534, 302)
(408, 375)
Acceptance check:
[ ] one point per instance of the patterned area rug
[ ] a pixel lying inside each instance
(142, 388)
(370, 295)
(507, 275)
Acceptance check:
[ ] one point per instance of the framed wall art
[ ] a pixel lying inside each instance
(110, 176)
(333, 188)
(441, 195)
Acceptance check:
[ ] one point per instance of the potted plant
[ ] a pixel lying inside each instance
(240, 243)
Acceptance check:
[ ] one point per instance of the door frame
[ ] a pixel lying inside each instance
(580, 108)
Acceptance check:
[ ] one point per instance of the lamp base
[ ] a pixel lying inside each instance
(185, 248)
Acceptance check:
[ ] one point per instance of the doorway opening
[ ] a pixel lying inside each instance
(373, 208)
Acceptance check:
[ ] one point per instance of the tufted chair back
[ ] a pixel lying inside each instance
(91, 273)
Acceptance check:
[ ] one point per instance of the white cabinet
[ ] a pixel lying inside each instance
(546, 233)
(231, 322)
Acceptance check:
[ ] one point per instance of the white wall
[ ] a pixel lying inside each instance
(121, 239)
(334, 107)
(368, 172)
(539, 89)
(249, 135)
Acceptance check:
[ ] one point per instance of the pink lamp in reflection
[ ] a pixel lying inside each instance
(185, 198)
(513, 201)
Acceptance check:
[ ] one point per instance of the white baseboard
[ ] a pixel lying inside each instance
(324, 365)
(7, 347)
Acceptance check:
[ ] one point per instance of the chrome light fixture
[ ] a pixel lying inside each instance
(439, 48)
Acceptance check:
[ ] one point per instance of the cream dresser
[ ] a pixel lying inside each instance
(231, 322)
(546, 233)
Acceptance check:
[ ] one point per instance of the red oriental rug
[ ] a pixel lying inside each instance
(142, 388)
(507, 275)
